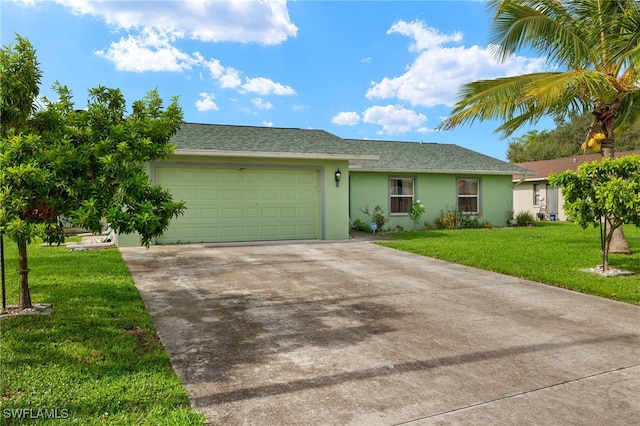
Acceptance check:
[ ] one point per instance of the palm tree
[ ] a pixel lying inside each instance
(594, 45)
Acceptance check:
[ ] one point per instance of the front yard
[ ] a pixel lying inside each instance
(96, 360)
(552, 253)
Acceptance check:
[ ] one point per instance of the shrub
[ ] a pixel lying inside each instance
(377, 216)
(360, 225)
(416, 212)
(525, 218)
(470, 221)
(453, 219)
(449, 219)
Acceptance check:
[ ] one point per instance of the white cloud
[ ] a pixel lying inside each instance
(265, 22)
(393, 119)
(155, 26)
(149, 51)
(437, 73)
(206, 103)
(230, 78)
(424, 38)
(267, 123)
(215, 68)
(152, 51)
(264, 86)
(347, 118)
(25, 2)
(260, 103)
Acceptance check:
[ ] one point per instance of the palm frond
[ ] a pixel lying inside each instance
(560, 89)
(626, 46)
(521, 99)
(629, 112)
(597, 42)
(486, 100)
(544, 26)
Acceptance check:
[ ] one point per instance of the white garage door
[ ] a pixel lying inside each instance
(241, 204)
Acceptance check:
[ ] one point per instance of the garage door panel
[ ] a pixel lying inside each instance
(209, 194)
(232, 213)
(242, 204)
(249, 178)
(250, 195)
(306, 212)
(228, 178)
(232, 232)
(269, 195)
(208, 214)
(250, 213)
(213, 231)
(230, 194)
(269, 212)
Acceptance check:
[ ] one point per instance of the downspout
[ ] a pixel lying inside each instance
(521, 181)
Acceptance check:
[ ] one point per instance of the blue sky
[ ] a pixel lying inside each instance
(367, 70)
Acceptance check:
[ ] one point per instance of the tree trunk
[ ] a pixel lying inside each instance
(619, 243)
(23, 271)
(605, 250)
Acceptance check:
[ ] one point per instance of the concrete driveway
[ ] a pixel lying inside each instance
(354, 333)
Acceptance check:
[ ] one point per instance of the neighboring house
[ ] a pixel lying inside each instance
(534, 194)
(243, 183)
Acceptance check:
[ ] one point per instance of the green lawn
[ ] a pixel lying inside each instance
(552, 253)
(96, 360)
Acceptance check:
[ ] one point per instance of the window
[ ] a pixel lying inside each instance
(401, 192)
(468, 195)
(537, 200)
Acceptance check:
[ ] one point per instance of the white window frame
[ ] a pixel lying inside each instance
(459, 182)
(403, 196)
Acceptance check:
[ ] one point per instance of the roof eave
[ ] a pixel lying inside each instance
(533, 179)
(439, 171)
(283, 155)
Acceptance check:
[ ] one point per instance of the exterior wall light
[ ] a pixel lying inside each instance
(338, 176)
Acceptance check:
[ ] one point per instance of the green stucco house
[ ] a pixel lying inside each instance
(243, 183)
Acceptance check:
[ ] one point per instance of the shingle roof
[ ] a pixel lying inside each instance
(366, 155)
(544, 168)
(251, 140)
(429, 157)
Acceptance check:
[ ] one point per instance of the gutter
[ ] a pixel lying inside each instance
(441, 171)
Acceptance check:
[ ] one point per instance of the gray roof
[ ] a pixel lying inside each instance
(230, 140)
(364, 155)
(429, 157)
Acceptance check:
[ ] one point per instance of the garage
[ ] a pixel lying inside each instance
(226, 204)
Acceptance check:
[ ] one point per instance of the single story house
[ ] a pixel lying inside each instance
(534, 194)
(244, 183)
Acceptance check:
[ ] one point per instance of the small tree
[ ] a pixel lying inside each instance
(605, 193)
(416, 212)
(89, 165)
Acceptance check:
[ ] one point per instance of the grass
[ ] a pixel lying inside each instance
(552, 253)
(96, 360)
